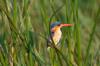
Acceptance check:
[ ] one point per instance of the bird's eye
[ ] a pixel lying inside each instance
(58, 25)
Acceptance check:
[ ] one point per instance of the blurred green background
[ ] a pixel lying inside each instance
(24, 29)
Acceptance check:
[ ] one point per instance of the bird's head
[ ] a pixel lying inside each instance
(57, 25)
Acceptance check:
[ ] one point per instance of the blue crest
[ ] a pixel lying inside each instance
(55, 24)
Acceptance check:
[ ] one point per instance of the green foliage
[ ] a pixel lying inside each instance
(25, 27)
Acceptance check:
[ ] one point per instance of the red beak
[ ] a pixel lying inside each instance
(62, 25)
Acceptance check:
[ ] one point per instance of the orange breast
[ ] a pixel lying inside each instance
(57, 36)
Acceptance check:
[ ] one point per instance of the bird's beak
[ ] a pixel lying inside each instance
(62, 25)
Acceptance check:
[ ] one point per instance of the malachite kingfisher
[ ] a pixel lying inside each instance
(55, 29)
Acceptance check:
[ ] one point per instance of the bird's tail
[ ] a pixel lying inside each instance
(48, 45)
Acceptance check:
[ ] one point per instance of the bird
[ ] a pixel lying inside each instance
(56, 33)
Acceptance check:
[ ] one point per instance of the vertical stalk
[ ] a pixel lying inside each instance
(70, 58)
(15, 12)
(12, 49)
(77, 34)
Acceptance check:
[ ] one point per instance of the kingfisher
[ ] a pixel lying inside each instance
(55, 29)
